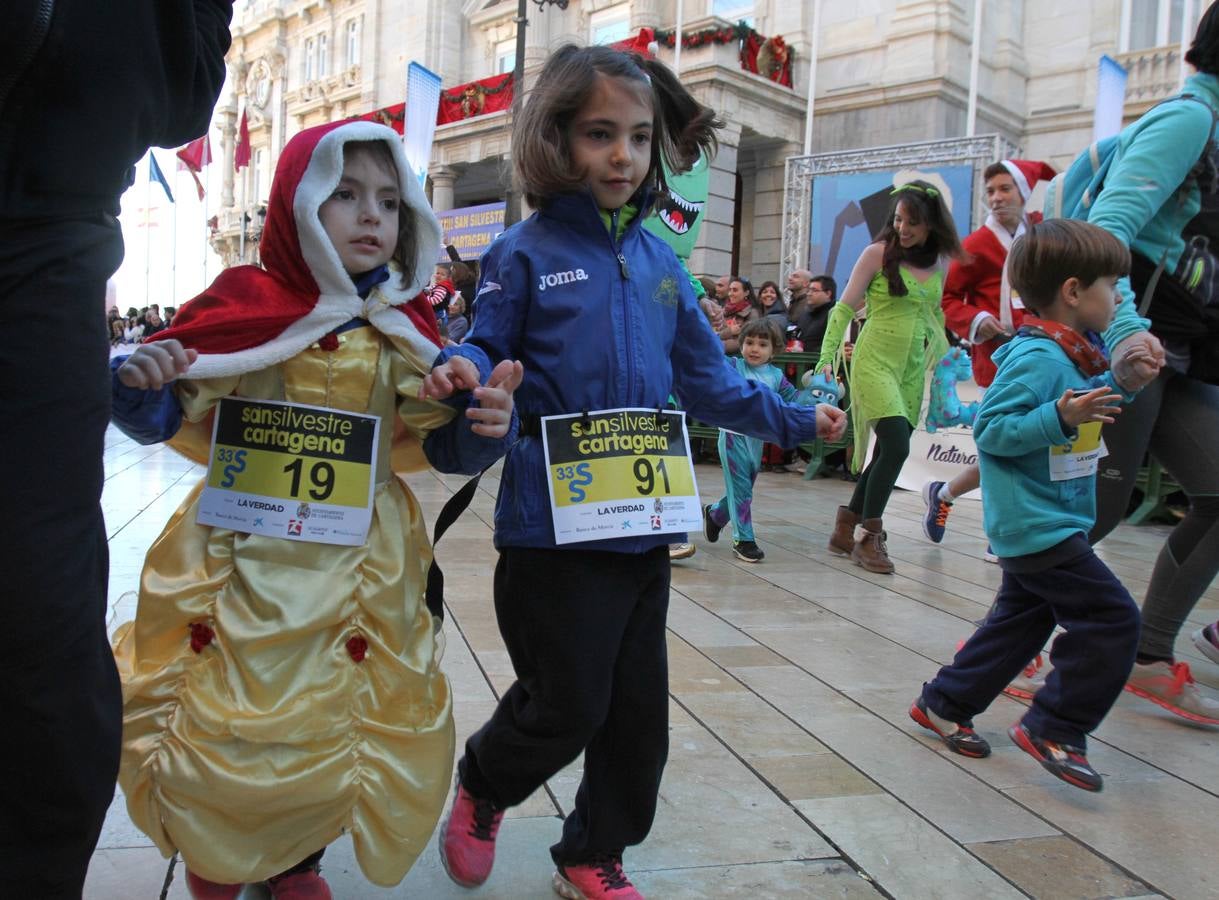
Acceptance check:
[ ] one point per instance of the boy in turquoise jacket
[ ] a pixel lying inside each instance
(1038, 437)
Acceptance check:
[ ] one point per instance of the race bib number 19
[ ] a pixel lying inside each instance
(291, 471)
(620, 473)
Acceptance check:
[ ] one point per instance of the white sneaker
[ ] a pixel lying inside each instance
(681, 551)
(1206, 646)
(1030, 681)
(1172, 686)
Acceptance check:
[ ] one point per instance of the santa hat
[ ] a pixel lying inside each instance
(1026, 173)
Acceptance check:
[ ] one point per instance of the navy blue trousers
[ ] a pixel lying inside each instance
(1091, 659)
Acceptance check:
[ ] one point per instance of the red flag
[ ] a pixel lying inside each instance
(193, 157)
(197, 154)
(241, 156)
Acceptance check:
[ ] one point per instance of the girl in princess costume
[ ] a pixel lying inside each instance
(899, 277)
(279, 691)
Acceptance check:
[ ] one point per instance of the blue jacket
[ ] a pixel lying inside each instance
(1023, 510)
(602, 323)
(1148, 197)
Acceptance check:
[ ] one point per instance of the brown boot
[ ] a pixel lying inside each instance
(870, 551)
(842, 541)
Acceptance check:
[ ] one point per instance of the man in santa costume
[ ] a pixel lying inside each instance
(979, 305)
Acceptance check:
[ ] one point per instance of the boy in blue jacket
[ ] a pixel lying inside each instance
(1038, 436)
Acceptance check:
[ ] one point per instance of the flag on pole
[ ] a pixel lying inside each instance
(155, 174)
(193, 157)
(419, 127)
(241, 156)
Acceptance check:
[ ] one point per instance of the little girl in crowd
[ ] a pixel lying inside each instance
(741, 455)
(603, 317)
(899, 278)
(279, 691)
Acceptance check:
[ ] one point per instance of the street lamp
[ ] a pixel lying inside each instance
(512, 213)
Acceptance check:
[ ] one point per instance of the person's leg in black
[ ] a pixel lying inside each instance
(1127, 439)
(1017, 627)
(562, 614)
(874, 488)
(616, 801)
(58, 682)
(1093, 654)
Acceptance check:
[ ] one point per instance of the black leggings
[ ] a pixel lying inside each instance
(875, 485)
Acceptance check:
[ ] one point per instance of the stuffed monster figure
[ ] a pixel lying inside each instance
(819, 388)
(945, 408)
(678, 215)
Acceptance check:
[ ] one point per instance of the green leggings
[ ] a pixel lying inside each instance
(877, 480)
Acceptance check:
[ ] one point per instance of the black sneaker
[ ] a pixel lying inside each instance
(748, 551)
(1060, 760)
(711, 531)
(964, 740)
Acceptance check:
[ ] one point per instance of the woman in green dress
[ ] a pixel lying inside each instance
(899, 277)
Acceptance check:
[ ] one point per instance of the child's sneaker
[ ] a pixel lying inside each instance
(990, 556)
(936, 516)
(596, 879)
(681, 551)
(711, 531)
(1207, 641)
(748, 551)
(202, 889)
(467, 838)
(956, 738)
(1172, 686)
(1028, 682)
(307, 885)
(1060, 760)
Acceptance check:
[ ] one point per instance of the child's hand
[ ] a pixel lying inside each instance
(1097, 405)
(831, 422)
(1136, 367)
(154, 365)
(493, 415)
(458, 374)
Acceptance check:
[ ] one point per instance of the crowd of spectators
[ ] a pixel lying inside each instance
(138, 324)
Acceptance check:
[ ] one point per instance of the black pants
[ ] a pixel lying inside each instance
(586, 633)
(875, 485)
(1091, 659)
(58, 685)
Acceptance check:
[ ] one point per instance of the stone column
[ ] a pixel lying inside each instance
(768, 210)
(713, 253)
(444, 178)
(644, 14)
(228, 126)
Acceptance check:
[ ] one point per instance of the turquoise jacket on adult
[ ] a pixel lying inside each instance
(604, 318)
(1023, 510)
(1148, 197)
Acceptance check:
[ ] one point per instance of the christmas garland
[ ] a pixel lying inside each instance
(776, 55)
(455, 95)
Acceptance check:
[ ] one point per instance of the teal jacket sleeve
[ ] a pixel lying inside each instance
(1014, 419)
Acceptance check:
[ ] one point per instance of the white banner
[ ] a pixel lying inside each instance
(419, 127)
(942, 455)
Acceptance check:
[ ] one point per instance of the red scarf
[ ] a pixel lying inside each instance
(1088, 358)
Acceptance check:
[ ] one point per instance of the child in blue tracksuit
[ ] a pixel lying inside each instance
(1038, 436)
(604, 320)
(740, 454)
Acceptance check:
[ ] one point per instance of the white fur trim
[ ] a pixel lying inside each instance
(1022, 183)
(1006, 239)
(318, 183)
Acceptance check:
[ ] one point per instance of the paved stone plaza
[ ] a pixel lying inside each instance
(794, 770)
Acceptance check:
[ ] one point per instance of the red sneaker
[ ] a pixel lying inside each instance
(1029, 681)
(307, 885)
(202, 889)
(599, 878)
(467, 838)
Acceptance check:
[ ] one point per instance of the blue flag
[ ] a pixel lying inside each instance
(155, 174)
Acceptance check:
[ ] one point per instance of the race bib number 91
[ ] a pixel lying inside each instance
(620, 473)
(291, 471)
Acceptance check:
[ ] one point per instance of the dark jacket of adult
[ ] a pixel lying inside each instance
(810, 322)
(86, 87)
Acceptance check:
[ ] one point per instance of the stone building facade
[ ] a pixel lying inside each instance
(888, 72)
